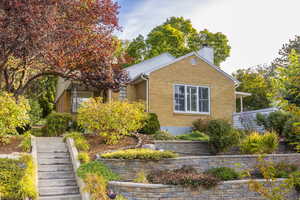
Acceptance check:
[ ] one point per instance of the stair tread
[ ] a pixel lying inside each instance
(61, 197)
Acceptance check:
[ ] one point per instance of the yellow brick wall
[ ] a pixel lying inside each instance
(222, 91)
(140, 91)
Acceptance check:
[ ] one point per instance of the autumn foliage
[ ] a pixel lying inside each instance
(71, 39)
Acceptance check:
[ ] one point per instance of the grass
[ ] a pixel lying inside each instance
(194, 136)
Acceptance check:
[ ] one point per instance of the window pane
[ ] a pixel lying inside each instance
(203, 99)
(192, 99)
(205, 93)
(179, 98)
(205, 106)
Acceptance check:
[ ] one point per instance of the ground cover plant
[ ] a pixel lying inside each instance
(143, 154)
(184, 176)
(194, 136)
(17, 178)
(163, 135)
(224, 173)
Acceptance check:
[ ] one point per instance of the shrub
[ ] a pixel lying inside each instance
(17, 178)
(26, 142)
(291, 132)
(141, 178)
(96, 185)
(187, 178)
(96, 167)
(120, 197)
(278, 170)
(82, 144)
(151, 124)
(12, 114)
(143, 154)
(194, 136)
(35, 112)
(84, 157)
(257, 143)
(57, 124)
(221, 135)
(201, 125)
(275, 121)
(163, 135)
(111, 120)
(224, 173)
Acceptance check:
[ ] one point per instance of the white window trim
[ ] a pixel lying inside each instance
(197, 102)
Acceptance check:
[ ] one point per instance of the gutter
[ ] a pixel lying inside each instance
(146, 78)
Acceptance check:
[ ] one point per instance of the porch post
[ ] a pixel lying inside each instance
(241, 98)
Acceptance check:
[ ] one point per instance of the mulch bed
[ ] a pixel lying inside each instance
(97, 144)
(13, 146)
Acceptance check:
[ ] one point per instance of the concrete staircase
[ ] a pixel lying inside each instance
(55, 172)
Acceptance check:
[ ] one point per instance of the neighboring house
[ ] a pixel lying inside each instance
(179, 90)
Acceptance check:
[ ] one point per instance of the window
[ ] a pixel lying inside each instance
(123, 93)
(191, 99)
(78, 97)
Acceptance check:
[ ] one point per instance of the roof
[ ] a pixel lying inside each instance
(242, 94)
(148, 66)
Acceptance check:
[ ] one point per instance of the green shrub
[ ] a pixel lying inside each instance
(151, 124)
(278, 170)
(26, 142)
(82, 144)
(201, 125)
(194, 136)
(141, 178)
(57, 124)
(163, 135)
(186, 178)
(295, 178)
(35, 112)
(17, 178)
(96, 167)
(291, 132)
(275, 121)
(111, 120)
(74, 135)
(257, 143)
(221, 135)
(96, 185)
(12, 114)
(224, 173)
(84, 157)
(143, 154)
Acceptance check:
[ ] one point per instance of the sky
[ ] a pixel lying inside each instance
(256, 29)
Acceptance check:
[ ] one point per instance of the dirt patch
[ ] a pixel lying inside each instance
(97, 144)
(13, 146)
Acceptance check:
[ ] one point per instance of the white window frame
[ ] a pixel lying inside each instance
(197, 102)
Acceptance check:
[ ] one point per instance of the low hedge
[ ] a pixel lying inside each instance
(17, 178)
(185, 176)
(143, 154)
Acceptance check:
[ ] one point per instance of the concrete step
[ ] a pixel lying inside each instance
(54, 168)
(52, 150)
(56, 175)
(57, 182)
(45, 161)
(53, 155)
(44, 191)
(61, 197)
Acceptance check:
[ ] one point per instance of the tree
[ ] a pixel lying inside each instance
(285, 51)
(178, 37)
(287, 84)
(71, 39)
(255, 81)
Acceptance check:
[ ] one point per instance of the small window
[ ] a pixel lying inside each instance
(123, 93)
(78, 97)
(191, 99)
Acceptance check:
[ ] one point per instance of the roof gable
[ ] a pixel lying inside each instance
(148, 66)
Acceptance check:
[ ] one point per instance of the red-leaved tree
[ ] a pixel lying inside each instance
(70, 38)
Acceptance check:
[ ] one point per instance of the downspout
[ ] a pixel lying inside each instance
(146, 78)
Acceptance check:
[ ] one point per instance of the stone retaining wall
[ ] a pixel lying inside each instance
(229, 190)
(128, 169)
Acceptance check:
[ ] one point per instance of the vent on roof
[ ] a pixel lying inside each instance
(193, 61)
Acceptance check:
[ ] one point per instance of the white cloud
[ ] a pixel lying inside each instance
(256, 28)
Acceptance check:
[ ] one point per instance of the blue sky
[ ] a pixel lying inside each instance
(256, 29)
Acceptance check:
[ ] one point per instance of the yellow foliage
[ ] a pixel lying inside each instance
(111, 120)
(96, 186)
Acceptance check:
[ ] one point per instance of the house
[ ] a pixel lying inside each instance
(179, 90)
